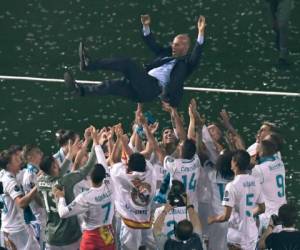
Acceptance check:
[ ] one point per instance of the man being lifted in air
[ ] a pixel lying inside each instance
(163, 77)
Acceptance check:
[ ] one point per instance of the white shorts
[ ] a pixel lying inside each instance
(73, 246)
(22, 240)
(217, 237)
(234, 238)
(134, 238)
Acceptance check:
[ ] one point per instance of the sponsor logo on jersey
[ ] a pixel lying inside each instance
(226, 196)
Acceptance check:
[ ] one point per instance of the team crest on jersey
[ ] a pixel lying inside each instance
(140, 193)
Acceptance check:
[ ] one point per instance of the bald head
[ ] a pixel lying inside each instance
(180, 45)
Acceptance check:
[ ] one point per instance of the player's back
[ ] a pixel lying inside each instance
(99, 201)
(243, 193)
(11, 214)
(271, 174)
(217, 188)
(172, 218)
(187, 171)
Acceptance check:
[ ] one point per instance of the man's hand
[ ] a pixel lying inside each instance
(201, 25)
(211, 219)
(58, 193)
(167, 208)
(145, 19)
(166, 106)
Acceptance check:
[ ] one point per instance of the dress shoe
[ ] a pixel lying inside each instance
(83, 57)
(71, 84)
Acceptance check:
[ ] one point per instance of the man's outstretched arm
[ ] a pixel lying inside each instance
(149, 38)
(196, 53)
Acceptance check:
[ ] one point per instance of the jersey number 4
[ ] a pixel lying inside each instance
(191, 183)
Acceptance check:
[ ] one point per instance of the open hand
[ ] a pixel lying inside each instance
(146, 20)
(201, 25)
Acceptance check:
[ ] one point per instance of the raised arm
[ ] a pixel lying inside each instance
(23, 201)
(78, 206)
(177, 122)
(195, 56)
(73, 149)
(149, 38)
(234, 140)
(83, 149)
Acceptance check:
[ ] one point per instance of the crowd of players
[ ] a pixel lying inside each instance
(197, 188)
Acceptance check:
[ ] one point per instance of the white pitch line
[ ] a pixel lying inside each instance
(238, 91)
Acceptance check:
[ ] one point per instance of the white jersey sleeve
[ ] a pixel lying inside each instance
(100, 156)
(29, 180)
(13, 189)
(229, 198)
(77, 206)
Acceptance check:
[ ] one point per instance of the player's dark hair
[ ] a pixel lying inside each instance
(183, 230)
(223, 165)
(273, 127)
(188, 149)
(268, 148)
(63, 136)
(242, 159)
(276, 139)
(6, 155)
(46, 164)
(137, 163)
(287, 215)
(98, 174)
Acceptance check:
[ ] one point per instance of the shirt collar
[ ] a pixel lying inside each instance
(267, 158)
(32, 168)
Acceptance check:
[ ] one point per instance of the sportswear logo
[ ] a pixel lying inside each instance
(17, 188)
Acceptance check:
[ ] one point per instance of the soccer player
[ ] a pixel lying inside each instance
(177, 199)
(17, 235)
(63, 137)
(33, 157)
(63, 234)
(219, 176)
(186, 169)
(240, 199)
(270, 172)
(134, 189)
(97, 207)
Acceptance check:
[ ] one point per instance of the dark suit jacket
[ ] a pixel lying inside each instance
(183, 67)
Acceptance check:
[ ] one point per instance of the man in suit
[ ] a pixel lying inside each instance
(163, 77)
(280, 14)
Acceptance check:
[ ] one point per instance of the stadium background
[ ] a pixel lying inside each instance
(40, 38)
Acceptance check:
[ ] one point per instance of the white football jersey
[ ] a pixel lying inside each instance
(271, 174)
(242, 195)
(172, 218)
(29, 181)
(96, 206)
(59, 156)
(12, 216)
(186, 171)
(217, 188)
(158, 169)
(134, 194)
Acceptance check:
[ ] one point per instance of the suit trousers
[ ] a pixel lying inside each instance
(136, 84)
(280, 13)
